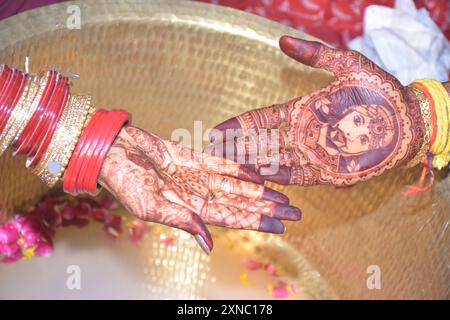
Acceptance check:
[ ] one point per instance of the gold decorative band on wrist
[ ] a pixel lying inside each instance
(20, 114)
(426, 116)
(32, 108)
(441, 101)
(55, 159)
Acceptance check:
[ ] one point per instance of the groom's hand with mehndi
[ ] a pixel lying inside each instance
(160, 181)
(362, 124)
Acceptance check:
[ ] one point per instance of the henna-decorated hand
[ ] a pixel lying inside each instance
(160, 181)
(362, 124)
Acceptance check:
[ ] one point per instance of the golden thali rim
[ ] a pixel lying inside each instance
(35, 22)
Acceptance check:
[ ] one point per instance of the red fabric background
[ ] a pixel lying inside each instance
(334, 21)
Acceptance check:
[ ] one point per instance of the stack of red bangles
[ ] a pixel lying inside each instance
(39, 130)
(86, 161)
(41, 119)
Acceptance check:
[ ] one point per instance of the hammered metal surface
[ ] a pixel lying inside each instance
(173, 62)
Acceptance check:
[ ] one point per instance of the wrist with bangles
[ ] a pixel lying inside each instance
(434, 101)
(63, 136)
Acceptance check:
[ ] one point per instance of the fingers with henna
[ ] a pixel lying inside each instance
(176, 216)
(318, 55)
(269, 208)
(245, 188)
(211, 163)
(283, 175)
(270, 117)
(231, 217)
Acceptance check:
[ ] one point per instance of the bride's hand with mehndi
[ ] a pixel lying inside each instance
(362, 124)
(160, 181)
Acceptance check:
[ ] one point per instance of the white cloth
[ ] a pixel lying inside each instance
(405, 42)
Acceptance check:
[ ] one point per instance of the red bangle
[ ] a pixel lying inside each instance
(9, 76)
(5, 74)
(47, 116)
(22, 145)
(12, 95)
(94, 140)
(10, 87)
(85, 164)
(35, 123)
(11, 102)
(97, 135)
(43, 145)
(114, 121)
(71, 173)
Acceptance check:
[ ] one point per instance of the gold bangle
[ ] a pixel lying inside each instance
(21, 114)
(55, 159)
(34, 104)
(426, 116)
(441, 101)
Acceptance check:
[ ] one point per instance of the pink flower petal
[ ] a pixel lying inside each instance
(280, 293)
(251, 264)
(51, 218)
(68, 212)
(31, 239)
(270, 269)
(136, 234)
(113, 220)
(99, 214)
(8, 234)
(168, 240)
(23, 223)
(78, 222)
(43, 250)
(109, 203)
(13, 258)
(10, 250)
(84, 206)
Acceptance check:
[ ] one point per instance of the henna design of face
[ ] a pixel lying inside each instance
(160, 181)
(362, 124)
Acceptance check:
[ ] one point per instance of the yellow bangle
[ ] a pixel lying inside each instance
(441, 99)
